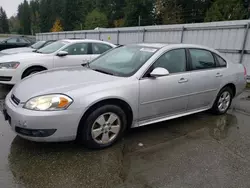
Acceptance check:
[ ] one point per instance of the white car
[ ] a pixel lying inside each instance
(63, 53)
(36, 46)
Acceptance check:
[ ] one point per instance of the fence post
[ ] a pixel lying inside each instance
(58, 36)
(244, 43)
(99, 35)
(118, 32)
(74, 35)
(143, 34)
(182, 33)
(85, 35)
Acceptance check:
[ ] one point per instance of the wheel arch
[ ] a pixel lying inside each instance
(232, 87)
(32, 67)
(114, 101)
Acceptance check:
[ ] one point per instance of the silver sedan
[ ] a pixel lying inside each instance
(129, 86)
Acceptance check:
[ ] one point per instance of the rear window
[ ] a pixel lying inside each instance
(202, 59)
(221, 61)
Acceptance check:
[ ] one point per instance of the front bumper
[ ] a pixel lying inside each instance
(64, 122)
(9, 76)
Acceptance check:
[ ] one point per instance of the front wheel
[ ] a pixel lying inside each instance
(103, 127)
(223, 101)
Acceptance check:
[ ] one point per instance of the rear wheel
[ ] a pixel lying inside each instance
(31, 71)
(103, 127)
(223, 101)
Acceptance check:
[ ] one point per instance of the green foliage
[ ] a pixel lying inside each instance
(14, 24)
(35, 16)
(96, 19)
(24, 17)
(142, 8)
(226, 10)
(40, 15)
(4, 25)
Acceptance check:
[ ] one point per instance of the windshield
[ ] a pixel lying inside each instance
(123, 61)
(38, 44)
(53, 47)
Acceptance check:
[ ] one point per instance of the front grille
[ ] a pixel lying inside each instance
(15, 99)
(5, 78)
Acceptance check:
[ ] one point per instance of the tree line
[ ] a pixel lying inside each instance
(57, 15)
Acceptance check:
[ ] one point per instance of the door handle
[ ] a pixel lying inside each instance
(219, 75)
(183, 80)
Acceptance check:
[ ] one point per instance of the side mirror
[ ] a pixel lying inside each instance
(62, 53)
(158, 72)
(85, 63)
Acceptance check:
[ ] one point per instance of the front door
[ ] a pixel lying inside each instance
(165, 96)
(78, 54)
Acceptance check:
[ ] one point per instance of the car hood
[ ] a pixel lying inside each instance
(21, 56)
(17, 50)
(59, 81)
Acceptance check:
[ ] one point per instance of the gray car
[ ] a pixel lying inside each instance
(129, 86)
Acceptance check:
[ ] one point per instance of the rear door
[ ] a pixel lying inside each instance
(98, 49)
(205, 79)
(78, 54)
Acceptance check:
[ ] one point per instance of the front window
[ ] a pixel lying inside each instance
(174, 61)
(38, 44)
(77, 49)
(52, 47)
(123, 61)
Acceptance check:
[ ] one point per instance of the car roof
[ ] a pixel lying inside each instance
(152, 45)
(169, 45)
(82, 40)
(87, 40)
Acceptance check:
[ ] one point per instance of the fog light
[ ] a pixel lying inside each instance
(35, 132)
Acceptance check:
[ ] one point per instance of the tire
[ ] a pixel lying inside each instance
(31, 71)
(96, 132)
(223, 101)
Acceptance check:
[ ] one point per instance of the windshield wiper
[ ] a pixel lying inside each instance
(103, 71)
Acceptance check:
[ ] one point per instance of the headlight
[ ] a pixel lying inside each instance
(9, 65)
(48, 103)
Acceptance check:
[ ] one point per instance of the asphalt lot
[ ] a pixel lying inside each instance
(201, 150)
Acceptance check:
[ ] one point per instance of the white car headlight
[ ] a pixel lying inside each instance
(9, 65)
(49, 103)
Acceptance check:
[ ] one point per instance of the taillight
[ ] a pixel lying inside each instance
(245, 71)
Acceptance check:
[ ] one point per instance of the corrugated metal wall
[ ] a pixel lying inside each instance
(230, 38)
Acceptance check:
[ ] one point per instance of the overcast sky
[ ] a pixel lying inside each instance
(10, 6)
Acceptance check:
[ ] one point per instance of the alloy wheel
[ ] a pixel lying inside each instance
(224, 101)
(106, 128)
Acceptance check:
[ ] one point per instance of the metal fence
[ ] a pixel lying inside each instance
(231, 38)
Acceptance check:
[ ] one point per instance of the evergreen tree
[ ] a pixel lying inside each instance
(74, 14)
(222, 10)
(142, 8)
(24, 16)
(35, 16)
(4, 25)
